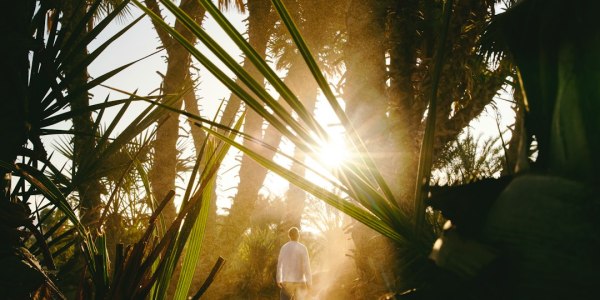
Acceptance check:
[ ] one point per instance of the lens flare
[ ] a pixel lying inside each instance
(333, 153)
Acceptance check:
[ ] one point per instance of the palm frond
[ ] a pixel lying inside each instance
(370, 199)
(426, 151)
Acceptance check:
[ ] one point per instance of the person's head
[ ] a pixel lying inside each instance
(294, 234)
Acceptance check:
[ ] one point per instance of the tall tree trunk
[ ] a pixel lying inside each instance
(176, 83)
(259, 28)
(366, 106)
(89, 186)
(466, 88)
(164, 172)
(295, 196)
(404, 122)
(224, 233)
(191, 106)
(305, 91)
(164, 167)
(364, 92)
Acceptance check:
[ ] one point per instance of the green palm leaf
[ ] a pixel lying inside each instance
(372, 201)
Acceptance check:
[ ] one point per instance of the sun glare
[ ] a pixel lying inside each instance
(334, 153)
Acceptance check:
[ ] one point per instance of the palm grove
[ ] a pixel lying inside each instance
(414, 74)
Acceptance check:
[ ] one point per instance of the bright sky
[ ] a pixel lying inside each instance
(142, 40)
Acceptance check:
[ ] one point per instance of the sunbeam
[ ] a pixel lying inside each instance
(333, 153)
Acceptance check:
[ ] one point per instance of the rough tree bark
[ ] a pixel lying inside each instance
(259, 28)
(164, 172)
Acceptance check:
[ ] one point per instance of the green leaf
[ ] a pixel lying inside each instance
(330, 198)
(54, 195)
(193, 229)
(375, 204)
(318, 75)
(426, 153)
(288, 121)
(269, 74)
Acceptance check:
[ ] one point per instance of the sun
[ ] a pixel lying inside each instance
(333, 153)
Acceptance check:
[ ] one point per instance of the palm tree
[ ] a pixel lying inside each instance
(322, 40)
(252, 175)
(44, 90)
(224, 234)
(177, 83)
(550, 53)
(470, 159)
(369, 198)
(260, 23)
(42, 93)
(90, 189)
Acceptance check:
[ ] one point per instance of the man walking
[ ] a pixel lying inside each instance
(293, 268)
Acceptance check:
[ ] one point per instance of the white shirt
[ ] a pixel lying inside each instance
(293, 264)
